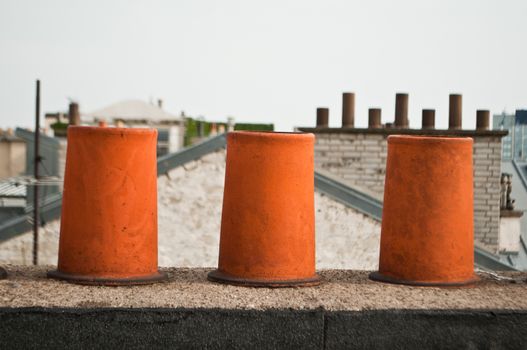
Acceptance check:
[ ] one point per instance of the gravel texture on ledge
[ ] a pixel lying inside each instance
(341, 290)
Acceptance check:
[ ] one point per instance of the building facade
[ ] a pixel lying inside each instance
(12, 154)
(515, 143)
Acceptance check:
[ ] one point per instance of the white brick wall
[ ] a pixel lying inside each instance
(360, 159)
(357, 158)
(487, 172)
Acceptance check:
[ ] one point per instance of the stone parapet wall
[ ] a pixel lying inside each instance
(347, 311)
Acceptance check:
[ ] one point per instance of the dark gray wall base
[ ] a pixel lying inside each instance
(159, 329)
(416, 329)
(252, 329)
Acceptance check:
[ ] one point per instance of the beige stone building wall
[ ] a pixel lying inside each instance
(12, 157)
(359, 158)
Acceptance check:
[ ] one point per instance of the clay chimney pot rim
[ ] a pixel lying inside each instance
(116, 130)
(273, 134)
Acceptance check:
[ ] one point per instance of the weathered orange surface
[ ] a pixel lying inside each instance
(109, 208)
(268, 223)
(427, 224)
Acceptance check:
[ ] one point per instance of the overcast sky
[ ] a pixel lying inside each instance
(264, 61)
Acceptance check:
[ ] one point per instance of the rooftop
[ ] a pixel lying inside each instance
(132, 110)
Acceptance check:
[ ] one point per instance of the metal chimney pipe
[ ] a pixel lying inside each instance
(401, 110)
(348, 109)
(374, 118)
(455, 112)
(74, 116)
(482, 119)
(428, 119)
(322, 117)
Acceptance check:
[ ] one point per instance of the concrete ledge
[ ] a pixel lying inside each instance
(347, 311)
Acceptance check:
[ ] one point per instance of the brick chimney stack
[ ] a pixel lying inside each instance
(348, 110)
(374, 118)
(401, 111)
(428, 119)
(74, 117)
(455, 112)
(322, 117)
(482, 119)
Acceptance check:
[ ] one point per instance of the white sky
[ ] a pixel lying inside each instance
(266, 61)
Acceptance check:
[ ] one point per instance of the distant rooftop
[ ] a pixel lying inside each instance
(132, 110)
(9, 136)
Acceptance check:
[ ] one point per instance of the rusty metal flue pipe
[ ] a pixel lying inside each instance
(348, 110)
(455, 112)
(374, 118)
(401, 110)
(322, 117)
(428, 119)
(482, 119)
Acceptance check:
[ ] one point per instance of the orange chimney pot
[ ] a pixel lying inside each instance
(268, 220)
(427, 235)
(108, 232)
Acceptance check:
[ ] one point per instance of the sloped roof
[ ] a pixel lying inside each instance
(132, 110)
(13, 187)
